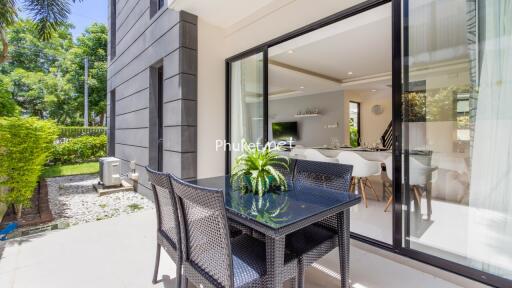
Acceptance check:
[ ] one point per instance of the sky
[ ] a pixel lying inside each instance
(85, 13)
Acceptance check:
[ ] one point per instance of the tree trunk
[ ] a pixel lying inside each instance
(5, 47)
(102, 119)
(18, 208)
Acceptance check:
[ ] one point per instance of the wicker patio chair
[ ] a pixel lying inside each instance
(315, 241)
(211, 258)
(168, 228)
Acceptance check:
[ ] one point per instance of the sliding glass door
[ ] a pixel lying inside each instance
(457, 132)
(246, 105)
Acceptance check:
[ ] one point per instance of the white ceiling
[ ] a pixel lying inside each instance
(360, 44)
(222, 13)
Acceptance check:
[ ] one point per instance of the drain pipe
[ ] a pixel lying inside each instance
(134, 176)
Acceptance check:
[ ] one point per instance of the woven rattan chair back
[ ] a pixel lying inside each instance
(166, 207)
(328, 175)
(207, 246)
(287, 173)
(323, 174)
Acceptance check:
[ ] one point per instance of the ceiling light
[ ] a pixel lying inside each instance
(373, 90)
(301, 87)
(350, 73)
(290, 51)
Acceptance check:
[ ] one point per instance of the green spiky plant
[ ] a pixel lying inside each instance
(255, 170)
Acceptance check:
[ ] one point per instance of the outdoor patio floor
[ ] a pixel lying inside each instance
(119, 252)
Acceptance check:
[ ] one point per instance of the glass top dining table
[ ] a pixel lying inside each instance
(277, 214)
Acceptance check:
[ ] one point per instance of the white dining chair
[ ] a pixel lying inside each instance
(361, 171)
(419, 175)
(315, 155)
(297, 153)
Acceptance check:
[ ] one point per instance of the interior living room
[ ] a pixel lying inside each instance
(330, 92)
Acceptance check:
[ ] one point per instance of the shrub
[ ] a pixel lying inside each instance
(75, 132)
(25, 144)
(81, 149)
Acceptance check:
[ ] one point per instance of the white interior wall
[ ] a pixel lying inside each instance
(313, 131)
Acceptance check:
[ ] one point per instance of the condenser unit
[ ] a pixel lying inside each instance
(110, 171)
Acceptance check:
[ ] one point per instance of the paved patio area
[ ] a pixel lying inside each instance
(119, 252)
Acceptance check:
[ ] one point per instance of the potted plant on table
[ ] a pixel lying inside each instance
(256, 170)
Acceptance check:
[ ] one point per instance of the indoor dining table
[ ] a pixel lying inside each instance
(277, 214)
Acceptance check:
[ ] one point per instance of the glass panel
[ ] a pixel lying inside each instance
(458, 131)
(246, 102)
(323, 82)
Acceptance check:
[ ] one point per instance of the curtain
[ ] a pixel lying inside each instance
(238, 119)
(472, 40)
(490, 219)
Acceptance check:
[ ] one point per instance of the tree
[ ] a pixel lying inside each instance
(29, 53)
(92, 44)
(8, 107)
(42, 95)
(48, 16)
(46, 79)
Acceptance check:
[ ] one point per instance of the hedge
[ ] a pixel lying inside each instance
(81, 149)
(75, 132)
(25, 144)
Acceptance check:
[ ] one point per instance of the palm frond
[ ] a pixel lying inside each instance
(8, 13)
(48, 15)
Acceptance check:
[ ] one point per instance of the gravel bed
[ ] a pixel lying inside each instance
(73, 198)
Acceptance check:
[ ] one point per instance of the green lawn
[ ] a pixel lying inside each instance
(72, 169)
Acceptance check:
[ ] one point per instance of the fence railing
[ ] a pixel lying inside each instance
(75, 132)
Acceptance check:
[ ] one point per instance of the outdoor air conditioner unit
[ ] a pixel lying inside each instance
(110, 174)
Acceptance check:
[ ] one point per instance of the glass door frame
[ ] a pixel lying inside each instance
(399, 71)
(228, 63)
(400, 84)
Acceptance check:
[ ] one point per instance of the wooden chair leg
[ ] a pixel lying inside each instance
(390, 200)
(417, 198)
(157, 263)
(417, 193)
(361, 184)
(371, 187)
(429, 203)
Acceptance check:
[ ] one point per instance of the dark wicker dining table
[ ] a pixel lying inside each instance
(277, 214)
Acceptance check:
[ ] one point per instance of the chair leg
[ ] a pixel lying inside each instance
(363, 192)
(390, 200)
(429, 203)
(371, 187)
(157, 263)
(299, 283)
(184, 282)
(178, 274)
(417, 200)
(417, 193)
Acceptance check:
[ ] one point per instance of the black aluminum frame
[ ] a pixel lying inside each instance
(400, 20)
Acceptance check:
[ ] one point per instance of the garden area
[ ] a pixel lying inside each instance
(47, 175)
(48, 153)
